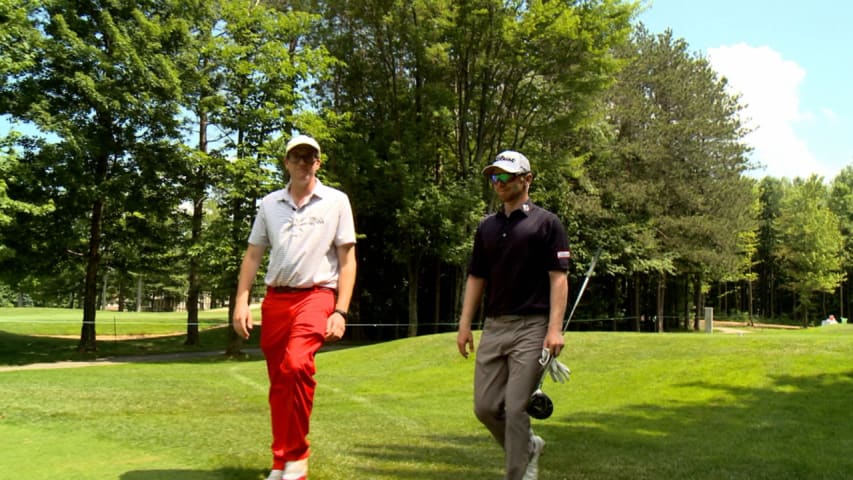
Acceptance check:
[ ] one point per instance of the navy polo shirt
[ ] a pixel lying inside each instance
(515, 255)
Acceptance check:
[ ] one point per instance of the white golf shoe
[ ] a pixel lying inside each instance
(536, 447)
(297, 470)
(275, 474)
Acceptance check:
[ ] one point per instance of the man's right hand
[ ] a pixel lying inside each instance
(243, 321)
(465, 341)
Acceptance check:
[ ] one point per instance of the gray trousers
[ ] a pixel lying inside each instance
(506, 373)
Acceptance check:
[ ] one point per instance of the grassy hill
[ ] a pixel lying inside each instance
(762, 405)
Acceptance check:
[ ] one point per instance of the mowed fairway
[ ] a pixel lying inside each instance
(762, 405)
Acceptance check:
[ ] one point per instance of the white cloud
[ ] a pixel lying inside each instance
(829, 114)
(769, 87)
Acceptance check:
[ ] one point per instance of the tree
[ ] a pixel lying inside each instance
(841, 203)
(396, 57)
(10, 207)
(771, 192)
(672, 187)
(748, 244)
(16, 57)
(811, 247)
(101, 80)
(450, 85)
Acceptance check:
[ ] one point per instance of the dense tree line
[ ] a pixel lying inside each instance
(160, 123)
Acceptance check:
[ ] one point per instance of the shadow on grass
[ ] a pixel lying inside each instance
(793, 427)
(787, 428)
(443, 457)
(219, 474)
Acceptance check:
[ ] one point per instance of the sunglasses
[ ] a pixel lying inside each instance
(502, 177)
(308, 158)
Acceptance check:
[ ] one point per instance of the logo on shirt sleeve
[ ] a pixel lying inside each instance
(564, 254)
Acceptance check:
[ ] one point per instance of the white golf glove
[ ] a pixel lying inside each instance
(559, 373)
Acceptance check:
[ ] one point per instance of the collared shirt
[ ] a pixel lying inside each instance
(303, 240)
(514, 255)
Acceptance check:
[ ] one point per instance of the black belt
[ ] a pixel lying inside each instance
(296, 289)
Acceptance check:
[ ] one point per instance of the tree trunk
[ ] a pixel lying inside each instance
(660, 302)
(235, 342)
(637, 303)
(614, 303)
(697, 299)
(139, 293)
(413, 297)
(436, 318)
(90, 291)
(195, 236)
(685, 291)
(194, 280)
(122, 295)
(103, 301)
(459, 278)
(737, 298)
(772, 294)
(749, 302)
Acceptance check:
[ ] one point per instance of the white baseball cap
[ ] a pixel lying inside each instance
(509, 161)
(302, 140)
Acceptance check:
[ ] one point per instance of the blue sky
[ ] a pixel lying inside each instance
(792, 64)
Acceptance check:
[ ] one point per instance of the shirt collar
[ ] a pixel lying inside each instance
(524, 210)
(319, 192)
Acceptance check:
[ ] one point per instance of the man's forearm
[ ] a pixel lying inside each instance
(559, 298)
(346, 277)
(248, 271)
(473, 293)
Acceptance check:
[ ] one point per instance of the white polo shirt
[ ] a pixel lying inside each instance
(303, 241)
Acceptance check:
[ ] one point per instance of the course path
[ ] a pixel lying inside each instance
(730, 330)
(739, 328)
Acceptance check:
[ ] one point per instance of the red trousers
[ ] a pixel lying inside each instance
(293, 326)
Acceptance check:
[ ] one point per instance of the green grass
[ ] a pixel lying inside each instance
(67, 321)
(764, 405)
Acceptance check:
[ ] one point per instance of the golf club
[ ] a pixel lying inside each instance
(539, 405)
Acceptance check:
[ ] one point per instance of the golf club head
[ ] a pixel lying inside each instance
(540, 405)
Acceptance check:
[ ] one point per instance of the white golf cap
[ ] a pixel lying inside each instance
(302, 140)
(509, 161)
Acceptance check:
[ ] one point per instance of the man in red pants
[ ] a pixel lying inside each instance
(310, 232)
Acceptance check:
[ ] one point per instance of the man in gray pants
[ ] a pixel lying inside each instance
(520, 259)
